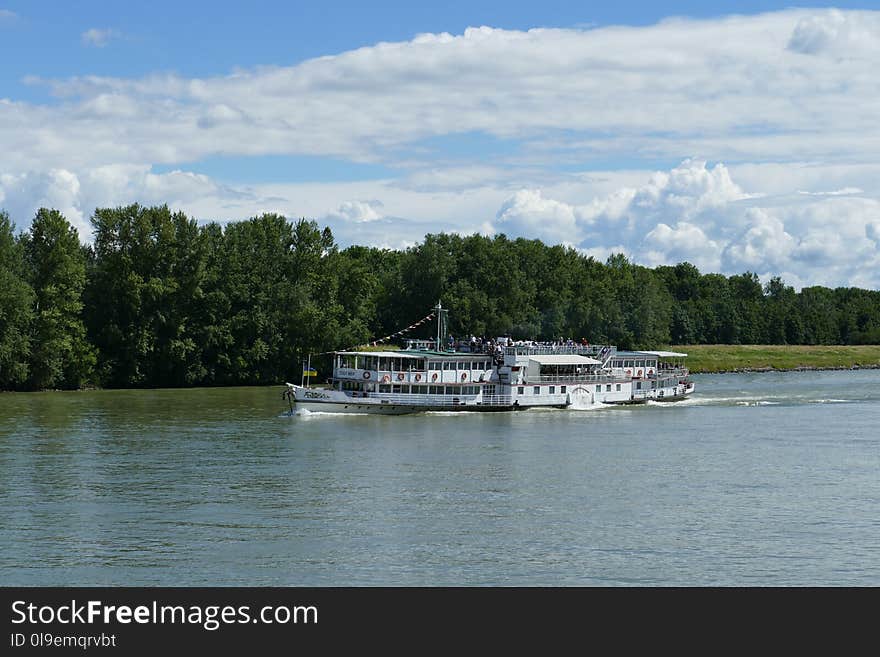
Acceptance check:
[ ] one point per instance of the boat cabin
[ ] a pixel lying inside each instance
(411, 372)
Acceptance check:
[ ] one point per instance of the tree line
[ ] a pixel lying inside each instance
(156, 300)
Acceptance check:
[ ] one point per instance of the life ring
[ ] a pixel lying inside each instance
(434, 377)
(640, 374)
(650, 372)
(629, 372)
(366, 375)
(418, 377)
(386, 379)
(400, 377)
(464, 376)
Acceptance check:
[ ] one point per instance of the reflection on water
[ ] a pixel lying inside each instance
(758, 479)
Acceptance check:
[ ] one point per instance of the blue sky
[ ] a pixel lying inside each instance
(737, 135)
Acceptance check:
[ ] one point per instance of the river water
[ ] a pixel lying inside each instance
(761, 479)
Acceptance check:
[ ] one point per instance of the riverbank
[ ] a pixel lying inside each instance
(717, 358)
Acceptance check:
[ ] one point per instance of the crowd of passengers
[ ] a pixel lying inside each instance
(482, 345)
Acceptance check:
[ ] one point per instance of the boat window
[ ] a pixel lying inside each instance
(629, 363)
(552, 390)
(447, 364)
(433, 365)
(638, 385)
(537, 390)
(608, 388)
(599, 388)
(395, 389)
(384, 388)
(618, 387)
(562, 389)
(420, 390)
(521, 390)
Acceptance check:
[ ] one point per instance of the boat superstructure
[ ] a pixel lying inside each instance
(497, 375)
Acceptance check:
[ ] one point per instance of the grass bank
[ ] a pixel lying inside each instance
(731, 358)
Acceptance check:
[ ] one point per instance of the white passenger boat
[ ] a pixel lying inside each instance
(501, 375)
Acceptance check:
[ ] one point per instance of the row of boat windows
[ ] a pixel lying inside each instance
(536, 390)
(634, 363)
(459, 365)
(409, 389)
(409, 364)
(430, 390)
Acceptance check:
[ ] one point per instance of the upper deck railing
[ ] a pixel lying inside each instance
(551, 349)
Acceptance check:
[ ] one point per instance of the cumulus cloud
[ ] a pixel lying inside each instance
(99, 37)
(763, 246)
(698, 214)
(688, 190)
(23, 194)
(358, 211)
(529, 213)
(835, 31)
(685, 242)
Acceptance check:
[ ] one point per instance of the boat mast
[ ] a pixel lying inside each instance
(442, 325)
(439, 310)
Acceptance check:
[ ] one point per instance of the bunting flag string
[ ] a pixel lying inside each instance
(409, 328)
(388, 337)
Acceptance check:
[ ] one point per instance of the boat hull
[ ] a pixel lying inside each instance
(313, 400)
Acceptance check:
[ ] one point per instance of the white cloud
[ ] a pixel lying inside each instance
(699, 214)
(846, 191)
(692, 212)
(685, 242)
(834, 31)
(528, 213)
(7, 15)
(727, 88)
(358, 211)
(23, 195)
(99, 37)
(763, 246)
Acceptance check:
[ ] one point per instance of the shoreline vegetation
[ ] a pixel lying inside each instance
(158, 299)
(728, 359)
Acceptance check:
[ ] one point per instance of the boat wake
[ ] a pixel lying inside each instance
(448, 413)
(305, 414)
(764, 400)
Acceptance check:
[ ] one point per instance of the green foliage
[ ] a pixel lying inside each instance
(16, 310)
(158, 300)
(61, 356)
